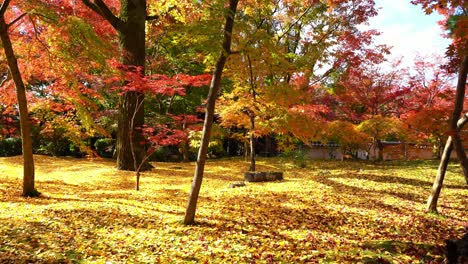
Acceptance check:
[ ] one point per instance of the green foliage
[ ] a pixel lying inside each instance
(105, 147)
(56, 147)
(167, 153)
(296, 156)
(215, 147)
(10, 147)
(76, 39)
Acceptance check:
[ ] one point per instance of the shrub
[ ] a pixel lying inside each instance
(166, 153)
(297, 156)
(105, 147)
(10, 147)
(61, 147)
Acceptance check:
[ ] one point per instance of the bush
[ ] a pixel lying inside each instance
(10, 147)
(298, 157)
(61, 147)
(216, 150)
(105, 147)
(166, 153)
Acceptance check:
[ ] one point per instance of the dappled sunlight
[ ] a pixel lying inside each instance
(356, 212)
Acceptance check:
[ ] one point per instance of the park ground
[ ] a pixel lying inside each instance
(328, 212)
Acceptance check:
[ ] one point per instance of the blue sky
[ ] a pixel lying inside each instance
(408, 29)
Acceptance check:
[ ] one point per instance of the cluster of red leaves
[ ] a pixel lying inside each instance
(162, 135)
(171, 133)
(136, 81)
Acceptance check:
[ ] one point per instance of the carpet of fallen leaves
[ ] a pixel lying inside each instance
(328, 212)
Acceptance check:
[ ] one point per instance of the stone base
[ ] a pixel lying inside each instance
(254, 176)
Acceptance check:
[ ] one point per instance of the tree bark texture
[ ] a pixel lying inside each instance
(453, 141)
(251, 115)
(252, 142)
(130, 26)
(439, 179)
(28, 160)
(132, 44)
(459, 100)
(209, 114)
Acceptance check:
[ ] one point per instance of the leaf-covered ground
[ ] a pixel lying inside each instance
(329, 212)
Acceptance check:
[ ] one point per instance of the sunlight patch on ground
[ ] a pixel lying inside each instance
(358, 212)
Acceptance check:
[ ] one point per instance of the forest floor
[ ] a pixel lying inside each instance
(328, 212)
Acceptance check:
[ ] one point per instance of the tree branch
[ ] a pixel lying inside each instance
(103, 10)
(462, 121)
(16, 20)
(4, 7)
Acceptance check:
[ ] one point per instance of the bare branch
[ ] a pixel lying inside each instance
(5, 78)
(4, 7)
(103, 10)
(16, 20)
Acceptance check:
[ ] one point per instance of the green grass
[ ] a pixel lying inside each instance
(90, 213)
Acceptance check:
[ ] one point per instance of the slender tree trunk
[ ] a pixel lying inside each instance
(439, 179)
(460, 97)
(246, 151)
(455, 125)
(137, 187)
(252, 142)
(251, 115)
(184, 146)
(28, 160)
(209, 114)
(185, 151)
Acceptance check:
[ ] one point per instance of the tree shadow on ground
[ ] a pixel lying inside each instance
(323, 229)
(71, 236)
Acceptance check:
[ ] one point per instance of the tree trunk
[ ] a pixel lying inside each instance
(252, 142)
(381, 150)
(125, 157)
(437, 186)
(130, 26)
(185, 145)
(28, 160)
(251, 115)
(246, 151)
(137, 187)
(209, 114)
(460, 97)
(456, 125)
(132, 44)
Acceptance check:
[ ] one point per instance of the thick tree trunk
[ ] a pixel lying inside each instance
(28, 160)
(252, 142)
(126, 132)
(456, 125)
(132, 44)
(209, 114)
